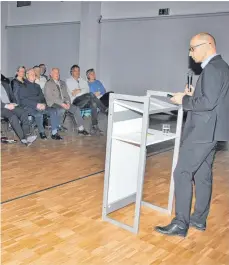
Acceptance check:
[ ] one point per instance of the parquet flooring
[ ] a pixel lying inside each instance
(48, 163)
(63, 226)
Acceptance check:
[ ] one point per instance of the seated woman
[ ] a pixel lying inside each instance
(17, 82)
(97, 88)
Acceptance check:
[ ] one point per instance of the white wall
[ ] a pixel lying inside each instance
(56, 45)
(114, 10)
(43, 12)
(137, 55)
(89, 36)
(44, 15)
(4, 14)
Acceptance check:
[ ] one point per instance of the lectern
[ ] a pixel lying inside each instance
(128, 136)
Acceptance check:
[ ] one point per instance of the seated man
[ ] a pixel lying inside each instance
(80, 96)
(40, 80)
(43, 71)
(57, 97)
(97, 88)
(18, 118)
(32, 99)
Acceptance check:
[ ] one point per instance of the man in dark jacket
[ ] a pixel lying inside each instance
(17, 117)
(31, 98)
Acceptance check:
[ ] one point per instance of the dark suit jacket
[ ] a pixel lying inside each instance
(208, 108)
(16, 86)
(30, 95)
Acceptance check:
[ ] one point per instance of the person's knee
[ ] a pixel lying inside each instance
(13, 119)
(181, 174)
(24, 117)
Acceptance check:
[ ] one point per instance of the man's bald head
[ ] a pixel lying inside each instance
(55, 73)
(206, 37)
(202, 46)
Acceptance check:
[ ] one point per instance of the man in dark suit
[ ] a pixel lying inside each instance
(17, 117)
(207, 122)
(32, 99)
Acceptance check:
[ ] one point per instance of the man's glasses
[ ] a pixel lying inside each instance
(191, 49)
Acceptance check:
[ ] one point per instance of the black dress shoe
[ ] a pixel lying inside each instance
(96, 130)
(62, 129)
(201, 227)
(56, 137)
(43, 136)
(84, 133)
(172, 230)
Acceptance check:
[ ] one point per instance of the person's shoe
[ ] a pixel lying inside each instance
(30, 140)
(62, 129)
(95, 130)
(43, 136)
(201, 227)
(56, 137)
(24, 141)
(83, 132)
(172, 230)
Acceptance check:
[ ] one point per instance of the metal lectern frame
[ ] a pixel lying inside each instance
(137, 198)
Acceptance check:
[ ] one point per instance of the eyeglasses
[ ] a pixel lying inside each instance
(191, 49)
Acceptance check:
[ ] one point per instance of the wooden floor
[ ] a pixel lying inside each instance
(48, 163)
(63, 226)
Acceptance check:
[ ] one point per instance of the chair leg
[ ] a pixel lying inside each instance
(65, 115)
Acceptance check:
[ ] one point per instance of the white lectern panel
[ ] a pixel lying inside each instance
(123, 171)
(153, 137)
(155, 105)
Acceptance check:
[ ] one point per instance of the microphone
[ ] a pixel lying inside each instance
(189, 79)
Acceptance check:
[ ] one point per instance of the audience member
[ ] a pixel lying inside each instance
(32, 99)
(57, 97)
(40, 80)
(17, 117)
(78, 90)
(18, 82)
(43, 71)
(97, 88)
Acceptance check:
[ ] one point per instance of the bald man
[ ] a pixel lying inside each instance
(57, 97)
(207, 107)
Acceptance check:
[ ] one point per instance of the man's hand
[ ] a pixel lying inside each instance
(76, 91)
(97, 94)
(177, 98)
(65, 106)
(10, 106)
(41, 106)
(187, 92)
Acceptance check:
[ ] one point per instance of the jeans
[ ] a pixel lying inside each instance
(38, 115)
